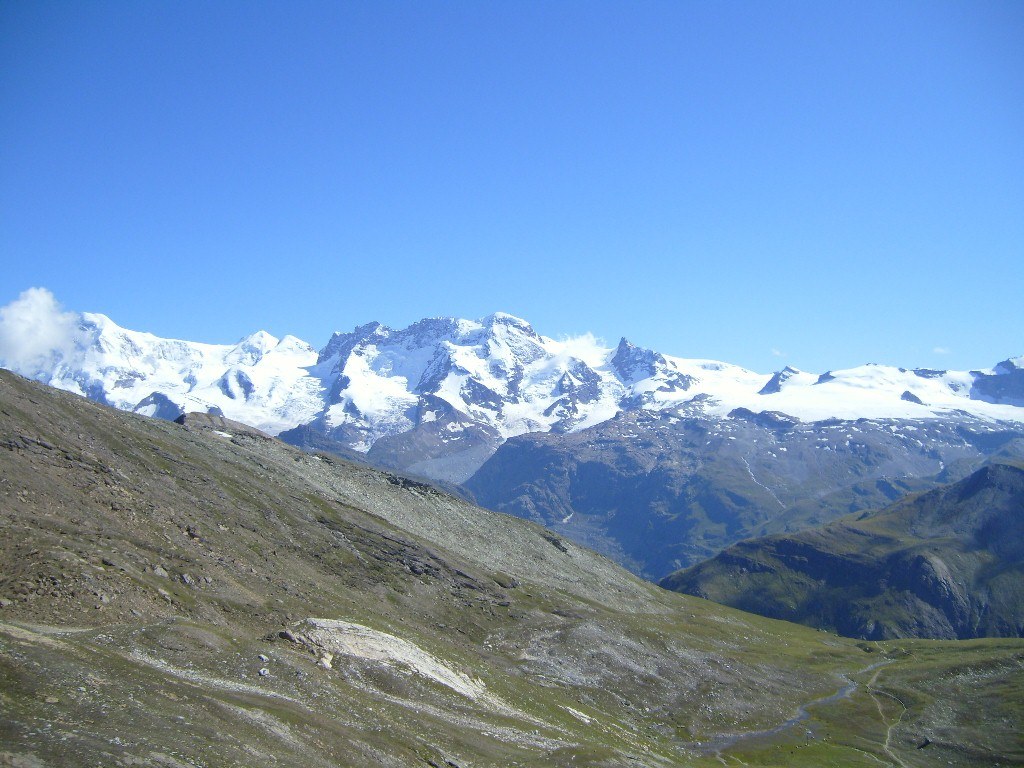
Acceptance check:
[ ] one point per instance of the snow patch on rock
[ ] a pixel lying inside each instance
(336, 637)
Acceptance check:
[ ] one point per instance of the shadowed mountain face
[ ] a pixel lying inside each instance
(201, 594)
(944, 564)
(661, 491)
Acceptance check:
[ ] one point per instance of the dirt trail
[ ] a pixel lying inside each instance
(875, 693)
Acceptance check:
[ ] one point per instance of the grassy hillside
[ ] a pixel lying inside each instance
(944, 564)
(202, 595)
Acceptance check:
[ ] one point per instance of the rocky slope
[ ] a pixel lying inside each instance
(944, 564)
(201, 594)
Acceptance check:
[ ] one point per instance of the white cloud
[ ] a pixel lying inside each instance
(778, 352)
(34, 330)
(586, 347)
(941, 350)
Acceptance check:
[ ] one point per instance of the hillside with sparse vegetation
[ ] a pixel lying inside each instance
(201, 594)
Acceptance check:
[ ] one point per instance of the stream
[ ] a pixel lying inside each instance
(727, 740)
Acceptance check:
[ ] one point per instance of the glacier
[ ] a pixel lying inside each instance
(439, 396)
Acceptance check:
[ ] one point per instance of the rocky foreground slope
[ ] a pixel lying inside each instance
(944, 564)
(201, 594)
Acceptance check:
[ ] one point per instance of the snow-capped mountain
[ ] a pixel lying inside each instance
(499, 372)
(261, 380)
(440, 396)
(658, 461)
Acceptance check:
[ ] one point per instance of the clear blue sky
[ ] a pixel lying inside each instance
(814, 183)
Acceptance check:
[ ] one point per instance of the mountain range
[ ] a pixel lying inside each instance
(656, 460)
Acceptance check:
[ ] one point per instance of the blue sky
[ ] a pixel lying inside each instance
(814, 184)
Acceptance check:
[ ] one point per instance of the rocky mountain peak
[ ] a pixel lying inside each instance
(427, 332)
(633, 363)
(1004, 385)
(779, 378)
(341, 344)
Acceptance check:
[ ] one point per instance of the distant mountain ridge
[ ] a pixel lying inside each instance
(663, 490)
(945, 564)
(441, 395)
